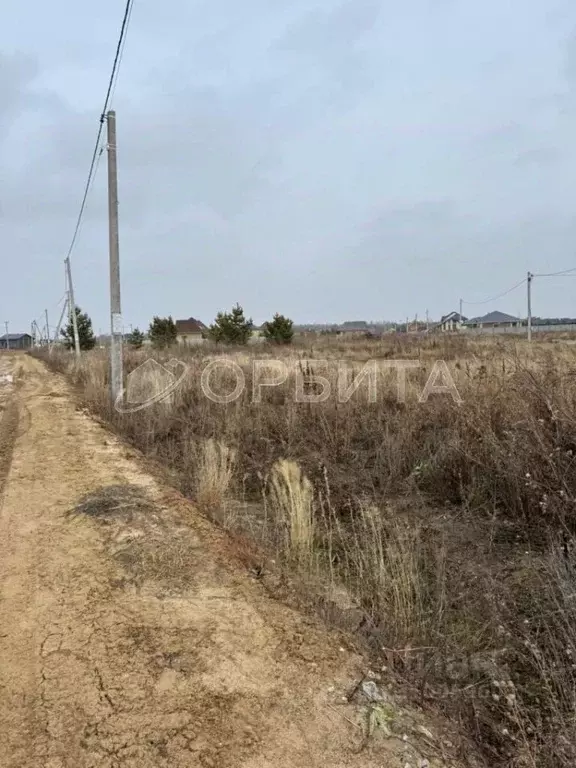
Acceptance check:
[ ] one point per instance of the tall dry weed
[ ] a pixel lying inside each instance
(214, 474)
(291, 497)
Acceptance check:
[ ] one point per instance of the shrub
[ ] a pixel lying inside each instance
(136, 338)
(85, 333)
(231, 327)
(162, 332)
(279, 330)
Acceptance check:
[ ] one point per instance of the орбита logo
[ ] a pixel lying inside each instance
(150, 383)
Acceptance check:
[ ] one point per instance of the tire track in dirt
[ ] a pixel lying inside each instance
(9, 420)
(8, 432)
(14, 416)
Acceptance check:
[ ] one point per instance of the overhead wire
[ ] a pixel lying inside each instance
(499, 296)
(120, 55)
(568, 272)
(97, 148)
(54, 306)
(40, 321)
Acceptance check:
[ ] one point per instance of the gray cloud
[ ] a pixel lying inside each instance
(324, 43)
(570, 57)
(323, 33)
(330, 160)
(17, 71)
(537, 157)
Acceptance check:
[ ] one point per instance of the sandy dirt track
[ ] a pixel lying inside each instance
(126, 638)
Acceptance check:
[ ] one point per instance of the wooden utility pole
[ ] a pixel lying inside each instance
(116, 377)
(529, 300)
(72, 308)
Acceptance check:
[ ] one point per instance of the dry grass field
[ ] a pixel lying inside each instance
(440, 532)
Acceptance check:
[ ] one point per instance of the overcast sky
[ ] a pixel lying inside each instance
(328, 160)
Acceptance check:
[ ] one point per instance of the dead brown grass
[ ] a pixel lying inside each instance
(214, 474)
(446, 530)
(291, 495)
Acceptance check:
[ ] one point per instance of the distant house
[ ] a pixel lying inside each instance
(494, 320)
(356, 328)
(450, 322)
(353, 326)
(257, 334)
(16, 341)
(190, 331)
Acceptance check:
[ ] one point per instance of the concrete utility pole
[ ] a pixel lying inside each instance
(72, 309)
(64, 308)
(529, 300)
(460, 310)
(47, 328)
(7, 339)
(116, 376)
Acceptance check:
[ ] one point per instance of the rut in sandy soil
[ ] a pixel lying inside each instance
(9, 418)
(8, 433)
(131, 640)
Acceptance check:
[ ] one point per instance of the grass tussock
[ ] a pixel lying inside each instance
(447, 529)
(214, 474)
(291, 496)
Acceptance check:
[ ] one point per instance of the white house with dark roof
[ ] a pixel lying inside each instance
(190, 331)
(450, 322)
(494, 321)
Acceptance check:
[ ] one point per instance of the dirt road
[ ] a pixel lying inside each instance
(126, 638)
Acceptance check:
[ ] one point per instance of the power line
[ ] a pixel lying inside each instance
(94, 174)
(122, 46)
(95, 155)
(500, 295)
(569, 272)
(54, 306)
